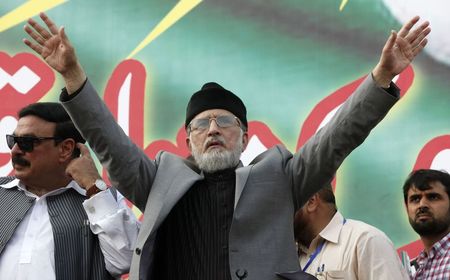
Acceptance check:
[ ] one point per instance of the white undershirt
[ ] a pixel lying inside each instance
(29, 254)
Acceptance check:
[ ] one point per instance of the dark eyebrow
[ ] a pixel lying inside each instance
(433, 194)
(25, 135)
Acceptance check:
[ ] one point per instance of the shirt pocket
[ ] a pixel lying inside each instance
(332, 275)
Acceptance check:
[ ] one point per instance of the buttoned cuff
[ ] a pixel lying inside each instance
(100, 206)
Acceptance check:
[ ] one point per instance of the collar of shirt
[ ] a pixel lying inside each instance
(439, 248)
(22, 187)
(333, 230)
(330, 233)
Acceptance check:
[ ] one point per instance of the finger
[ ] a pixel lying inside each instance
(83, 149)
(50, 24)
(34, 35)
(420, 37)
(35, 47)
(39, 29)
(391, 41)
(407, 27)
(69, 168)
(420, 47)
(412, 36)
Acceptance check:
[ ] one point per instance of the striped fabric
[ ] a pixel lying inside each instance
(77, 251)
(14, 205)
(436, 264)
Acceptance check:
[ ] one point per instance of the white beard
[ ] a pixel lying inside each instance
(216, 160)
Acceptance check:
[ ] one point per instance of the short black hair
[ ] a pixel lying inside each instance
(326, 194)
(54, 112)
(422, 178)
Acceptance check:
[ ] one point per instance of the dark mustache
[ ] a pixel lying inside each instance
(20, 161)
(422, 210)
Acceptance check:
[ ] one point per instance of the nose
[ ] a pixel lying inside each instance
(213, 127)
(16, 150)
(423, 203)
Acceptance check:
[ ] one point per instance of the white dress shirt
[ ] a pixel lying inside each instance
(29, 254)
(352, 250)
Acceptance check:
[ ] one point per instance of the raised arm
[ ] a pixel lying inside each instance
(92, 117)
(55, 48)
(315, 164)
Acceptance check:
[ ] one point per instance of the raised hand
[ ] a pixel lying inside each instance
(82, 169)
(400, 50)
(54, 47)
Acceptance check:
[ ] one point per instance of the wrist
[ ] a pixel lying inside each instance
(74, 78)
(382, 77)
(98, 186)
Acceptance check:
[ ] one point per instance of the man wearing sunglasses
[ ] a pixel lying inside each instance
(209, 217)
(59, 221)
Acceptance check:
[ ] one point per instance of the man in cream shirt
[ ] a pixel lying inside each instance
(333, 247)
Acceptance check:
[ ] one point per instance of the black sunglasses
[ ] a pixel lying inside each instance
(26, 143)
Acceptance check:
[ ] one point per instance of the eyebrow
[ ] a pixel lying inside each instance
(25, 135)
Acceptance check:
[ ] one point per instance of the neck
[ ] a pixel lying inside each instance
(320, 221)
(41, 189)
(429, 241)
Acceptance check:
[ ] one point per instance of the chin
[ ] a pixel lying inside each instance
(20, 173)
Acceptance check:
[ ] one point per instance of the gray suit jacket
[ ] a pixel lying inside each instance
(268, 191)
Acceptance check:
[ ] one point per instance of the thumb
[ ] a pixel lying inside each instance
(83, 149)
(63, 36)
(391, 41)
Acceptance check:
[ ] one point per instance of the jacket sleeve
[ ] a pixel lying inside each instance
(315, 164)
(129, 168)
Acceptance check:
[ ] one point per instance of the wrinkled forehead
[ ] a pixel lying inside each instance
(212, 113)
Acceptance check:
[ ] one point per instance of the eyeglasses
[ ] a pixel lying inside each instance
(221, 121)
(26, 143)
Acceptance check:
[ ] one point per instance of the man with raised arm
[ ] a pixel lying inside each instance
(209, 217)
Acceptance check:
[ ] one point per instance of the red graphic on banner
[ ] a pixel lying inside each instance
(10, 95)
(24, 79)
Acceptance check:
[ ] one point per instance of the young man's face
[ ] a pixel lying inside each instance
(429, 210)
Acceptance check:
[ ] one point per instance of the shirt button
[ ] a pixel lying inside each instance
(138, 251)
(91, 209)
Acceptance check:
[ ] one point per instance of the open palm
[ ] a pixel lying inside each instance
(52, 44)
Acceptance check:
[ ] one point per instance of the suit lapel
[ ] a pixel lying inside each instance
(241, 180)
(166, 192)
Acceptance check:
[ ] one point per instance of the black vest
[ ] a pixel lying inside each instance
(77, 251)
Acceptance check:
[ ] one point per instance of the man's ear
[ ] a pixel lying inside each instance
(188, 143)
(67, 146)
(312, 203)
(244, 140)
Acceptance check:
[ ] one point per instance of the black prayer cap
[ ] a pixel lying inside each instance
(214, 96)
